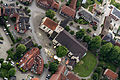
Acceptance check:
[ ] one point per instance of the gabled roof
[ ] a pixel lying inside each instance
(73, 4)
(50, 24)
(112, 75)
(68, 11)
(106, 26)
(67, 40)
(59, 75)
(71, 76)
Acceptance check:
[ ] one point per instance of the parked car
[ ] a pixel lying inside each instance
(1, 42)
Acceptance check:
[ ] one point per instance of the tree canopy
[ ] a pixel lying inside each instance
(53, 67)
(50, 13)
(12, 72)
(87, 38)
(61, 51)
(95, 43)
(105, 49)
(80, 33)
(21, 48)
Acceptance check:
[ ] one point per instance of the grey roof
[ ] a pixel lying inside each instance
(106, 26)
(54, 34)
(27, 41)
(116, 12)
(87, 16)
(67, 40)
(109, 38)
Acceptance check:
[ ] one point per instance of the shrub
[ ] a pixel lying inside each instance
(89, 30)
(67, 28)
(72, 32)
(95, 28)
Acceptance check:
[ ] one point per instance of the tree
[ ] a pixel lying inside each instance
(114, 54)
(95, 76)
(21, 48)
(12, 72)
(98, 70)
(1, 60)
(95, 43)
(105, 49)
(28, 10)
(80, 33)
(67, 28)
(1, 2)
(50, 13)
(46, 65)
(21, 7)
(61, 51)
(53, 67)
(87, 38)
(72, 32)
(17, 3)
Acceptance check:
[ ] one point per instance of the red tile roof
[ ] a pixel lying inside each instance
(27, 60)
(110, 74)
(35, 79)
(68, 11)
(73, 4)
(72, 76)
(59, 75)
(50, 24)
(49, 3)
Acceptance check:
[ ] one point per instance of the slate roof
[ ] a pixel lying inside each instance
(116, 12)
(67, 40)
(87, 16)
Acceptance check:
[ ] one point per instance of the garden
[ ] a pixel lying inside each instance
(86, 65)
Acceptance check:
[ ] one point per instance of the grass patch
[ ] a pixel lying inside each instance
(98, 2)
(86, 65)
(90, 8)
(117, 5)
(62, 0)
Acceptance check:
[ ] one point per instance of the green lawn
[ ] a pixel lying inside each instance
(86, 65)
(96, 1)
(90, 8)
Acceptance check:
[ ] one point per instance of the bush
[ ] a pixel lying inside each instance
(1, 60)
(1, 38)
(71, 23)
(95, 28)
(46, 65)
(67, 28)
(35, 45)
(72, 32)
(89, 30)
(40, 47)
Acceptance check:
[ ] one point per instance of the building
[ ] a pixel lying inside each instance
(72, 76)
(63, 74)
(110, 74)
(59, 74)
(48, 4)
(49, 26)
(88, 16)
(27, 42)
(32, 61)
(22, 20)
(35, 79)
(69, 11)
(106, 26)
(76, 49)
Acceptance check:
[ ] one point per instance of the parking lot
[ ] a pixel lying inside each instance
(6, 44)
